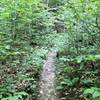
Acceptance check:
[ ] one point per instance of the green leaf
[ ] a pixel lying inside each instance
(79, 59)
(7, 47)
(59, 87)
(96, 94)
(93, 57)
(75, 80)
(86, 81)
(13, 98)
(21, 93)
(67, 82)
(95, 88)
(88, 91)
(0, 96)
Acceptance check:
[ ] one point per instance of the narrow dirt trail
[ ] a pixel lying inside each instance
(47, 80)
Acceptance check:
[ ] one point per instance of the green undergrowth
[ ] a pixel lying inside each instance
(79, 78)
(19, 75)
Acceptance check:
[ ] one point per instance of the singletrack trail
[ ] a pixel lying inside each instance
(47, 80)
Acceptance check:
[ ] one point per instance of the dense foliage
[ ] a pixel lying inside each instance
(30, 28)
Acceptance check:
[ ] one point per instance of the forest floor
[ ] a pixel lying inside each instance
(47, 80)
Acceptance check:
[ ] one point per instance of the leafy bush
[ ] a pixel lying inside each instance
(94, 92)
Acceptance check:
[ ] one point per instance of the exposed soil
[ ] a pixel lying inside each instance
(47, 79)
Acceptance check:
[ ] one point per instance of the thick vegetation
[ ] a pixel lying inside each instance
(30, 28)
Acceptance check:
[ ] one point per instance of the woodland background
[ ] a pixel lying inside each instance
(30, 28)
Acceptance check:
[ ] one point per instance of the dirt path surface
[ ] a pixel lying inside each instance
(47, 80)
